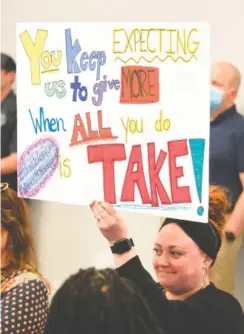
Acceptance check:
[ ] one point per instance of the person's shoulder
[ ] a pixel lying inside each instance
(10, 100)
(226, 300)
(238, 118)
(237, 124)
(34, 281)
(25, 279)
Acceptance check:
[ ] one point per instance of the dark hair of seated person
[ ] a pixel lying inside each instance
(99, 302)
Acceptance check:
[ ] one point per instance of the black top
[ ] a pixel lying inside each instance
(227, 151)
(9, 134)
(209, 311)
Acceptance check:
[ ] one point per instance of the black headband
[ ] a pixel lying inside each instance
(205, 235)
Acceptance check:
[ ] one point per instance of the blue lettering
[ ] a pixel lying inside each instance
(101, 87)
(84, 56)
(77, 88)
(71, 52)
(45, 124)
(92, 64)
(95, 60)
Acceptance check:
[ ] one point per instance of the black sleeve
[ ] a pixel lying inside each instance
(240, 153)
(174, 316)
(13, 143)
(24, 308)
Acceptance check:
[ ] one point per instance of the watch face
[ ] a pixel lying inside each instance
(122, 246)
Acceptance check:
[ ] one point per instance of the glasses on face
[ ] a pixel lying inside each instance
(6, 198)
(4, 186)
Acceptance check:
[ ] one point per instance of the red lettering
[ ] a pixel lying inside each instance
(139, 84)
(103, 132)
(107, 154)
(133, 178)
(177, 148)
(78, 129)
(91, 133)
(154, 170)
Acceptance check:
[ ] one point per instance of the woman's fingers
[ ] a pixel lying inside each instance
(108, 207)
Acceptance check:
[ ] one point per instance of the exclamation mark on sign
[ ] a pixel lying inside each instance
(197, 147)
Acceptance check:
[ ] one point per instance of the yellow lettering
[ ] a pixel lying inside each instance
(116, 41)
(67, 171)
(194, 43)
(56, 61)
(162, 124)
(148, 38)
(180, 43)
(64, 167)
(33, 51)
(46, 59)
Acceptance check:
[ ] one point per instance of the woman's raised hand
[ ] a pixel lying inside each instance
(109, 223)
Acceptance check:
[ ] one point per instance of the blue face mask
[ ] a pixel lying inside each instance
(216, 96)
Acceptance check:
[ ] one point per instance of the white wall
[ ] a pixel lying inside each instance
(66, 235)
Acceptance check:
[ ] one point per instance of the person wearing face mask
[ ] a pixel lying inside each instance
(184, 301)
(226, 167)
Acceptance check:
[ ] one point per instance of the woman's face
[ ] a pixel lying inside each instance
(178, 261)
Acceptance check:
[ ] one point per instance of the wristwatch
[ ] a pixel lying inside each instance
(230, 236)
(122, 246)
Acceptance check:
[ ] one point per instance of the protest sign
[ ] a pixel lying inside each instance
(116, 112)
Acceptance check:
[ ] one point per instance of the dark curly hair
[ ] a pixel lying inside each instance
(99, 302)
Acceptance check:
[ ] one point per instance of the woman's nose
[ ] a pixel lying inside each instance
(162, 260)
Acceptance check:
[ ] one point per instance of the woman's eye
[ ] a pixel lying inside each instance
(176, 253)
(157, 251)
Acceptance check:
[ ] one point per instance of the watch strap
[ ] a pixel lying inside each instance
(122, 246)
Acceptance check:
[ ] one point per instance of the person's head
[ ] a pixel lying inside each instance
(184, 250)
(17, 249)
(99, 302)
(8, 72)
(225, 82)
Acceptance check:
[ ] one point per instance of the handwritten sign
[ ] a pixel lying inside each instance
(115, 112)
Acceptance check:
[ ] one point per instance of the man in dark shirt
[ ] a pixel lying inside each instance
(8, 122)
(227, 167)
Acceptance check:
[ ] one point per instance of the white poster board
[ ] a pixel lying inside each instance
(116, 112)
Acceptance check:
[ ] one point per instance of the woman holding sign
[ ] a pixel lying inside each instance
(185, 301)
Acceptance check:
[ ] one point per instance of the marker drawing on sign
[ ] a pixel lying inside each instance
(45, 124)
(81, 136)
(116, 100)
(156, 194)
(174, 44)
(40, 61)
(93, 61)
(56, 87)
(36, 166)
(139, 84)
(197, 147)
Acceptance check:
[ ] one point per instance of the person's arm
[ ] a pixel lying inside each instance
(235, 223)
(24, 308)
(173, 316)
(9, 163)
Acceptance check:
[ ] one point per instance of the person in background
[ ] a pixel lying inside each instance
(99, 302)
(185, 301)
(24, 292)
(8, 122)
(226, 167)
